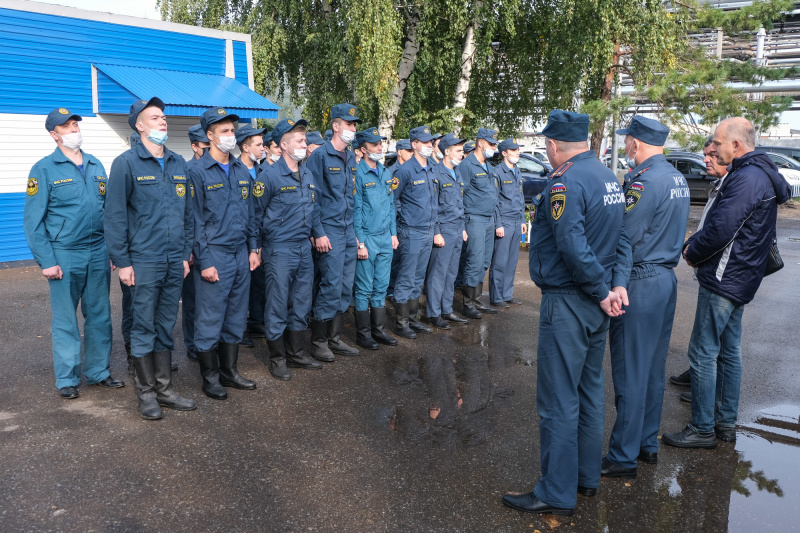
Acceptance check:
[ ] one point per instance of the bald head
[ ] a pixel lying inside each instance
(733, 138)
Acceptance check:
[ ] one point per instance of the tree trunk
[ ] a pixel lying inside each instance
(388, 116)
(605, 96)
(462, 88)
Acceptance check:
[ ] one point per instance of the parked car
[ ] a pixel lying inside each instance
(784, 161)
(785, 150)
(694, 170)
(533, 172)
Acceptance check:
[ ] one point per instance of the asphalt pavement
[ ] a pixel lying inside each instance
(427, 436)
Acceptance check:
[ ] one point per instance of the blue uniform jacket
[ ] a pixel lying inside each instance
(414, 196)
(577, 228)
(480, 188)
(335, 178)
(731, 249)
(223, 208)
(656, 211)
(64, 209)
(285, 209)
(449, 193)
(149, 212)
(510, 201)
(373, 211)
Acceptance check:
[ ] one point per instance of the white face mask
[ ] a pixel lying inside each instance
(252, 157)
(226, 144)
(274, 158)
(347, 136)
(299, 154)
(426, 151)
(72, 141)
(488, 153)
(513, 159)
(439, 156)
(375, 157)
(455, 162)
(630, 159)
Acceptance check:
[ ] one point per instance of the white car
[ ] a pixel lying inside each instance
(793, 177)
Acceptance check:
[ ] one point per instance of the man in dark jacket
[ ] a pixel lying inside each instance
(730, 254)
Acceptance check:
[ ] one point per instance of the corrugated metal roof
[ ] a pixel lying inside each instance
(188, 89)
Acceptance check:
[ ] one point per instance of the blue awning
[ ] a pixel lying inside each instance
(184, 93)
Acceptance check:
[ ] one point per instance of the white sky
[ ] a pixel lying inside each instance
(134, 8)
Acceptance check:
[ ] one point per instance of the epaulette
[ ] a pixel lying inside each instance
(560, 170)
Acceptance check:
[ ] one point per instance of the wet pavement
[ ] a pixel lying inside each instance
(424, 437)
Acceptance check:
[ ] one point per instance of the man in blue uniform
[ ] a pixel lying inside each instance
(148, 229)
(375, 227)
(404, 153)
(469, 147)
(251, 145)
(285, 204)
(63, 224)
(225, 252)
(271, 150)
(576, 232)
(333, 168)
(313, 141)
(480, 219)
(443, 264)
(510, 226)
(417, 231)
(656, 210)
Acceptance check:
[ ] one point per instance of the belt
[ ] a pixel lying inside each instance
(647, 270)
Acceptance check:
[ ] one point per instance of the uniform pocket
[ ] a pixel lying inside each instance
(65, 189)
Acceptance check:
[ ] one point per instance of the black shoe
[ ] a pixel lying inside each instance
(209, 369)
(335, 342)
(110, 383)
(247, 342)
(682, 380)
(610, 469)
(296, 356)
(364, 331)
(129, 359)
(277, 359)
(165, 393)
(686, 397)
(725, 434)
(191, 355)
(513, 301)
(144, 380)
(256, 330)
(228, 373)
(469, 310)
(649, 458)
(689, 438)
(377, 318)
(587, 491)
(413, 321)
(401, 325)
(500, 305)
(452, 317)
(489, 310)
(528, 503)
(439, 322)
(319, 342)
(68, 393)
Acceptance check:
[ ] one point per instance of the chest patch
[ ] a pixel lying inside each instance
(245, 193)
(101, 188)
(180, 190)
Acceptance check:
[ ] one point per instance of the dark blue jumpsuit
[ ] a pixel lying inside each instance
(576, 232)
(188, 294)
(285, 210)
(148, 225)
(257, 299)
(511, 207)
(480, 218)
(224, 234)
(656, 210)
(443, 264)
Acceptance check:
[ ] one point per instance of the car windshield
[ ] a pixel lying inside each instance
(529, 165)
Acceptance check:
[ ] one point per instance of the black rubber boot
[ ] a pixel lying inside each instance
(131, 371)
(335, 337)
(401, 327)
(480, 306)
(228, 374)
(173, 363)
(469, 310)
(277, 360)
(377, 317)
(144, 378)
(413, 321)
(256, 330)
(209, 369)
(364, 328)
(165, 394)
(319, 341)
(296, 355)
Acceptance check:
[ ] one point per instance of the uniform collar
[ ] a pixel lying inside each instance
(472, 160)
(644, 165)
(367, 168)
(284, 169)
(417, 166)
(583, 155)
(333, 151)
(504, 168)
(60, 157)
(144, 153)
(207, 161)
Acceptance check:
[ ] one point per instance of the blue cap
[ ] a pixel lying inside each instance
(137, 107)
(469, 147)
(214, 115)
(314, 138)
(647, 130)
(283, 127)
(328, 135)
(346, 112)
(403, 144)
(267, 138)
(369, 135)
(508, 144)
(247, 131)
(437, 136)
(59, 116)
(420, 133)
(487, 135)
(567, 126)
(448, 141)
(197, 135)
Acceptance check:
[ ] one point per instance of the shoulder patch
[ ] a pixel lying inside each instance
(258, 189)
(633, 195)
(33, 187)
(560, 170)
(557, 203)
(558, 188)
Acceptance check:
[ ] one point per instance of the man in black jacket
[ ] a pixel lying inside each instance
(730, 254)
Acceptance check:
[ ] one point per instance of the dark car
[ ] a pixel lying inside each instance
(389, 159)
(785, 150)
(533, 172)
(694, 170)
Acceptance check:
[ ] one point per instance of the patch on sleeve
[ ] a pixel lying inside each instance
(557, 203)
(191, 186)
(395, 182)
(557, 188)
(633, 195)
(33, 187)
(258, 189)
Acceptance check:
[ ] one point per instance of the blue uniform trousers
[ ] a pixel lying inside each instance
(504, 264)
(187, 309)
(372, 274)
(337, 271)
(221, 313)
(476, 256)
(86, 279)
(639, 343)
(258, 297)
(127, 319)
(415, 250)
(442, 271)
(569, 394)
(288, 279)
(155, 296)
